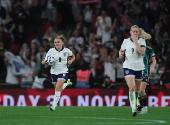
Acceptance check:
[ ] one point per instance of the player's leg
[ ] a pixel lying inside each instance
(143, 97)
(58, 89)
(68, 83)
(130, 80)
(138, 78)
(137, 93)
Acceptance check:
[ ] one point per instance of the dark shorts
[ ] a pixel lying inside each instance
(59, 76)
(136, 74)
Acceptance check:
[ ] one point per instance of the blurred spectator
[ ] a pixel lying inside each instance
(110, 68)
(111, 11)
(85, 34)
(84, 78)
(19, 15)
(3, 12)
(97, 69)
(2, 64)
(75, 45)
(20, 35)
(76, 65)
(42, 80)
(106, 33)
(50, 34)
(88, 15)
(32, 65)
(34, 48)
(7, 5)
(145, 24)
(46, 45)
(94, 54)
(76, 36)
(34, 19)
(102, 21)
(23, 49)
(26, 55)
(96, 13)
(5, 38)
(35, 40)
(86, 52)
(39, 57)
(9, 24)
(51, 10)
(119, 71)
(11, 77)
(152, 12)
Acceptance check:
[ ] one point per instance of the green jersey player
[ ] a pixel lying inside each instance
(150, 62)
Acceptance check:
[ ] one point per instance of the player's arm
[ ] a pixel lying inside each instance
(153, 64)
(121, 54)
(71, 59)
(122, 50)
(44, 62)
(140, 48)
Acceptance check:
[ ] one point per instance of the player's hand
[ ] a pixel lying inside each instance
(121, 54)
(44, 62)
(134, 38)
(151, 70)
(69, 62)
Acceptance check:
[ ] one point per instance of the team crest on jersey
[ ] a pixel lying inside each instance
(127, 71)
(64, 54)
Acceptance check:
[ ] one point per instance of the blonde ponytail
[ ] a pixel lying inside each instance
(144, 35)
(61, 37)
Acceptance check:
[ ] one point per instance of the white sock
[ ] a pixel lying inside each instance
(64, 85)
(132, 99)
(56, 98)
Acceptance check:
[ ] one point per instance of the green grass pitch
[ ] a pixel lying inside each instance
(41, 115)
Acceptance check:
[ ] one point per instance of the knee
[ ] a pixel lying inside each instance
(58, 89)
(131, 89)
(142, 92)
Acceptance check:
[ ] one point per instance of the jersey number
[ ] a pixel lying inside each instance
(132, 50)
(59, 59)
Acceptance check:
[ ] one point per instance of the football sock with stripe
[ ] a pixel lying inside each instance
(64, 85)
(137, 99)
(144, 98)
(56, 98)
(132, 99)
(141, 102)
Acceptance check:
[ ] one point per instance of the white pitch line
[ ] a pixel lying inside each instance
(139, 121)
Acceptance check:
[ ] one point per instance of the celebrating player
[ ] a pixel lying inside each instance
(58, 58)
(132, 50)
(150, 62)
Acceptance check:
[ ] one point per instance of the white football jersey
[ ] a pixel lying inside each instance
(133, 60)
(60, 65)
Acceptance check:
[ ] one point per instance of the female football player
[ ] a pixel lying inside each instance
(150, 62)
(132, 50)
(59, 69)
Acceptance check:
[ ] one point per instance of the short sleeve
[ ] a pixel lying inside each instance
(152, 53)
(48, 53)
(123, 46)
(69, 52)
(142, 43)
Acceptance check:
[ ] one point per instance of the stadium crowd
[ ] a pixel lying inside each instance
(94, 31)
